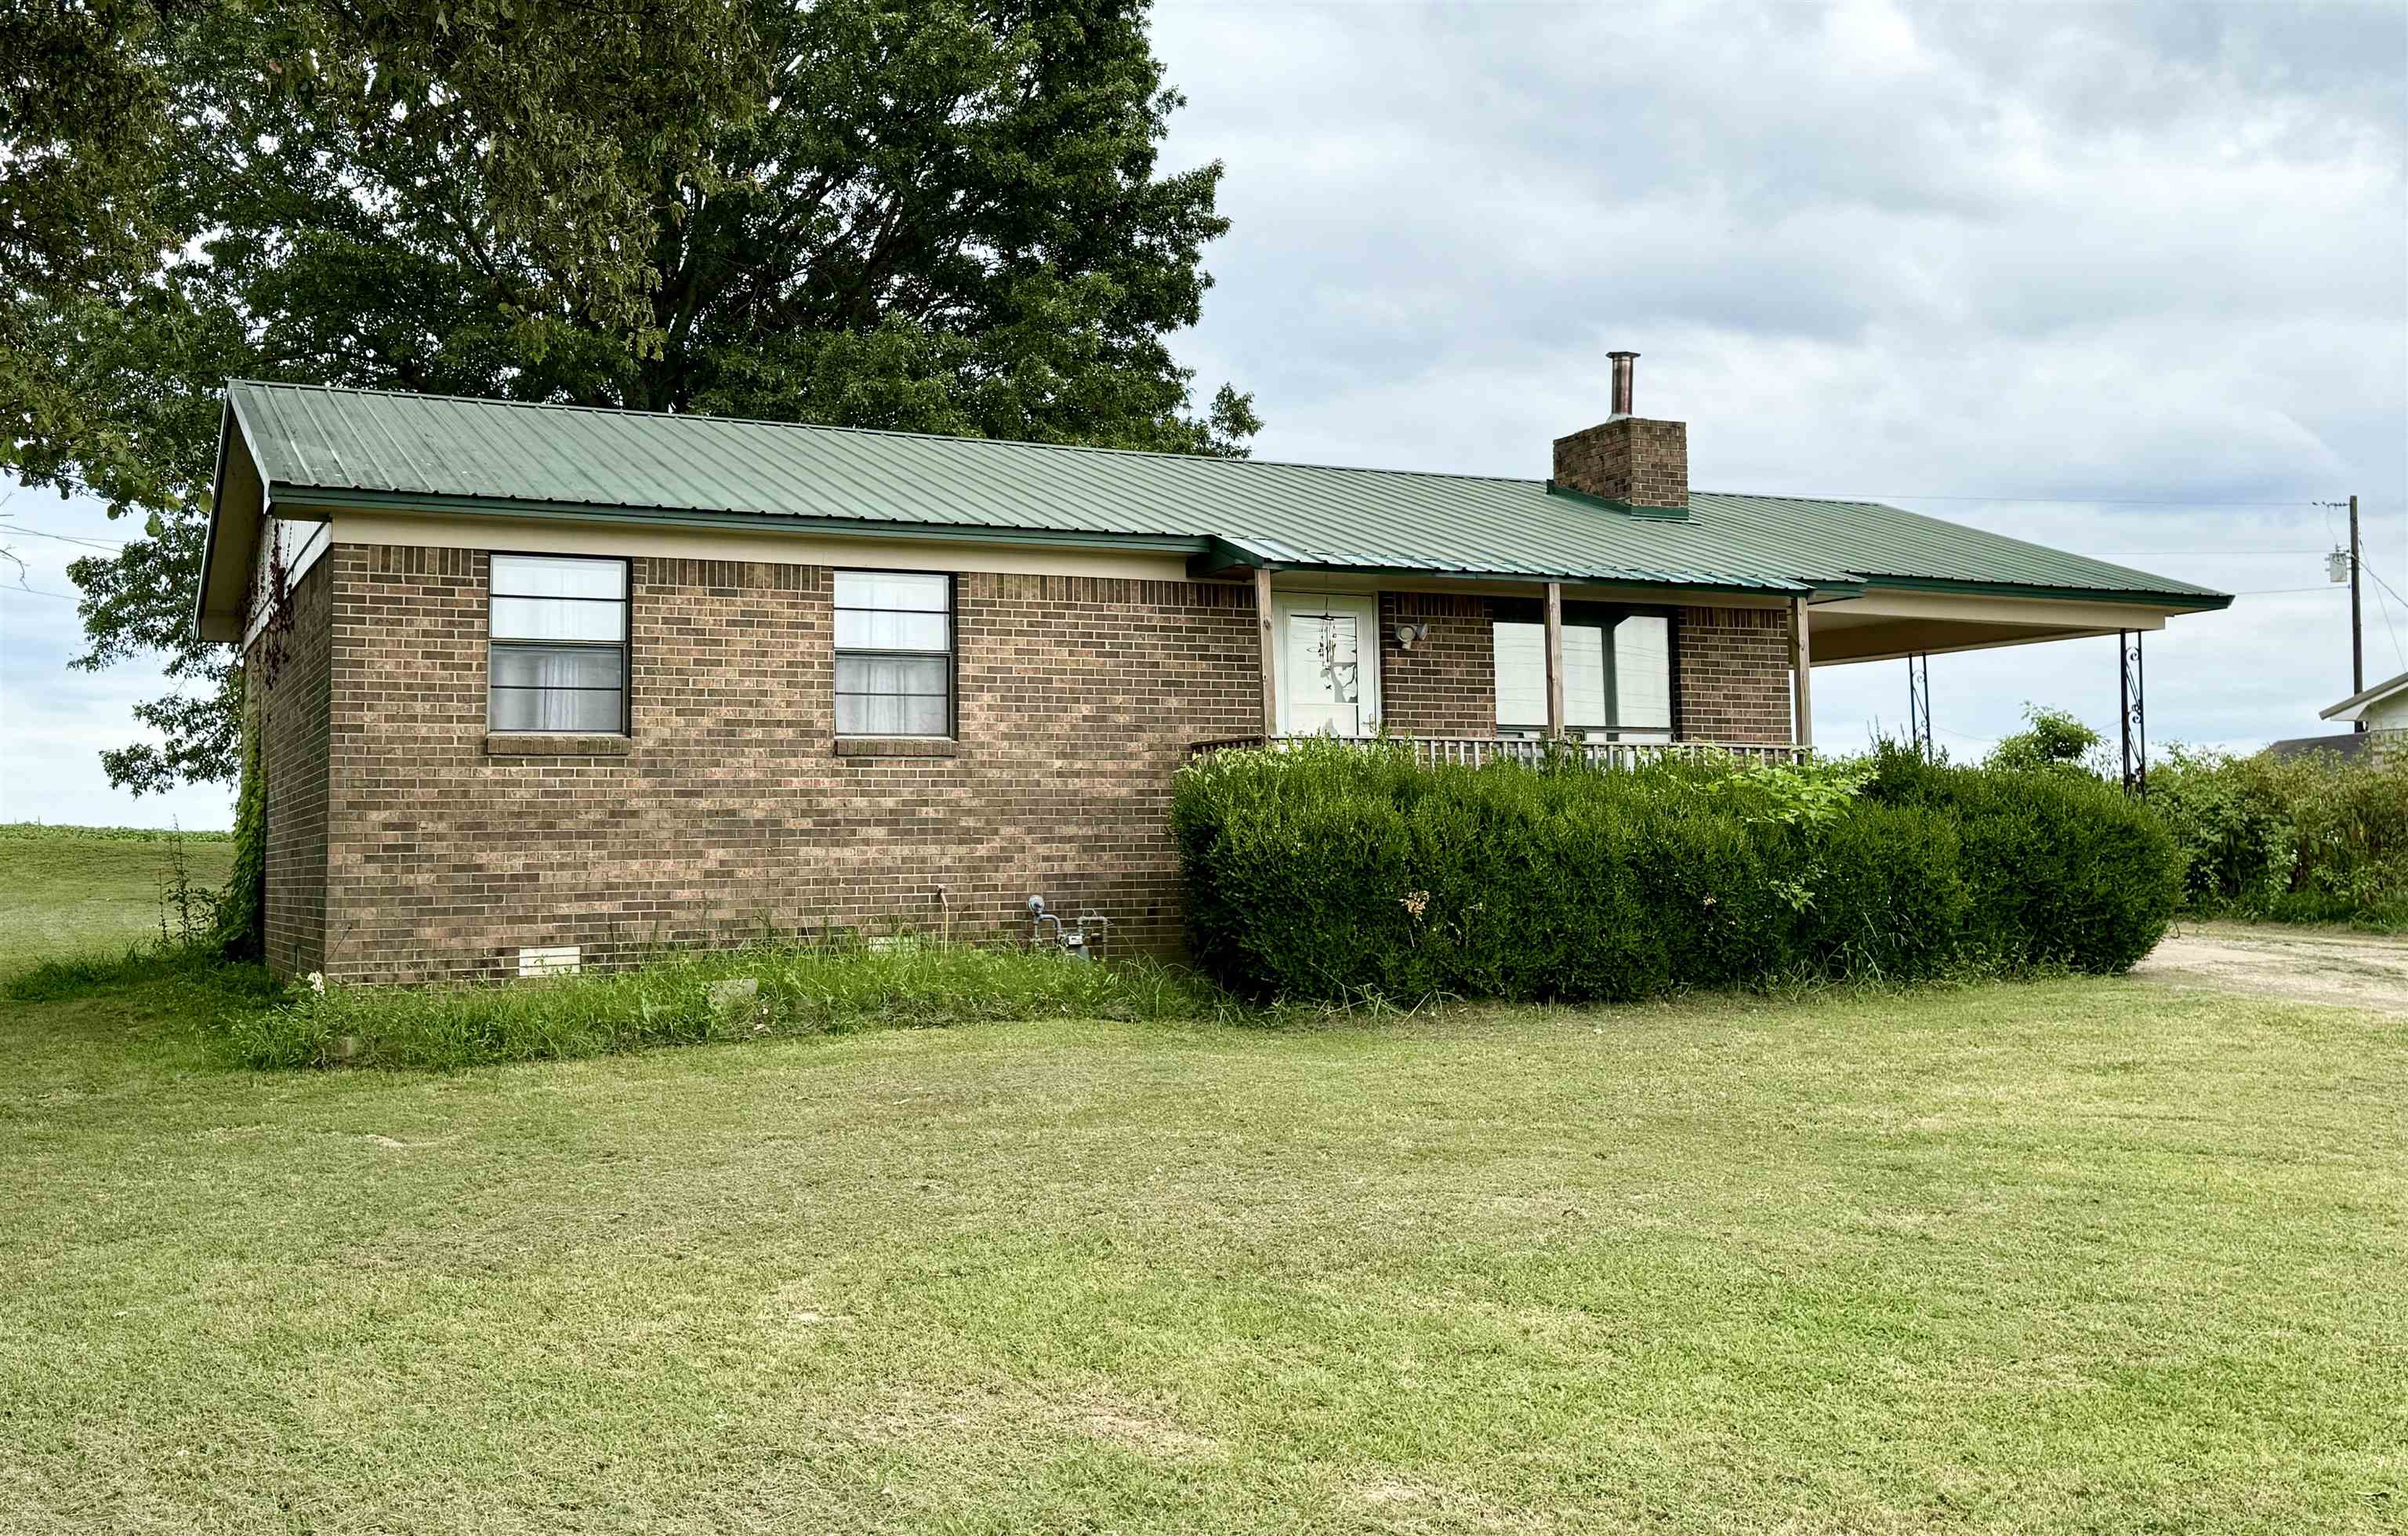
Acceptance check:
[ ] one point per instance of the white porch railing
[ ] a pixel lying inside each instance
(1473, 750)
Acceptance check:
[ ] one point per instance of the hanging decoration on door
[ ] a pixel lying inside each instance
(1335, 652)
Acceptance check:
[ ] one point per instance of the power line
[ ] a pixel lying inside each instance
(2072, 501)
(64, 538)
(2383, 587)
(38, 591)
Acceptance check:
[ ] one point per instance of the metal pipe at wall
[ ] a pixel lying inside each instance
(1269, 654)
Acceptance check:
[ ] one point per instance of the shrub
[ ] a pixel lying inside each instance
(693, 997)
(1335, 872)
(2060, 869)
(2317, 838)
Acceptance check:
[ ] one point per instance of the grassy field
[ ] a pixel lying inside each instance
(2079, 1256)
(69, 890)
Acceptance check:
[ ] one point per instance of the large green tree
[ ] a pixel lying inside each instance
(937, 216)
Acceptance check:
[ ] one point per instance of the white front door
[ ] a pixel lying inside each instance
(1328, 665)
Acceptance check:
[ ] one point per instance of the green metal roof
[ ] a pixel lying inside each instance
(321, 447)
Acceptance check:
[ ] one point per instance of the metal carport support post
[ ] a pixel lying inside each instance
(2135, 713)
(1918, 704)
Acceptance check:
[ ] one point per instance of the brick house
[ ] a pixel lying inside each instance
(542, 685)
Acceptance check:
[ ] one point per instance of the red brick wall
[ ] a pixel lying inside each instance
(435, 852)
(1629, 459)
(1446, 685)
(289, 701)
(1734, 674)
(731, 810)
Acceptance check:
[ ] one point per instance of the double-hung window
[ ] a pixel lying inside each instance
(1617, 673)
(893, 653)
(559, 644)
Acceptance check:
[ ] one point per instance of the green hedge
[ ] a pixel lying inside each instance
(1339, 872)
(2060, 868)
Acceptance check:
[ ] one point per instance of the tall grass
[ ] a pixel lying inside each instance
(694, 999)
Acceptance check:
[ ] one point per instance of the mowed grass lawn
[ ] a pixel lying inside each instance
(2077, 1255)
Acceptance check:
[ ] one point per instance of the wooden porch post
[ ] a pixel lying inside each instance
(1801, 664)
(1554, 661)
(1268, 656)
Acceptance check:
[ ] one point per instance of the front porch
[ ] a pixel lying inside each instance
(1474, 751)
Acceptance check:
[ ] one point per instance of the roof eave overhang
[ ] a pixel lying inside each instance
(2166, 602)
(2356, 705)
(231, 539)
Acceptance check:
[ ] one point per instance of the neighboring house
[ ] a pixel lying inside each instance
(2378, 722)
(541, 685)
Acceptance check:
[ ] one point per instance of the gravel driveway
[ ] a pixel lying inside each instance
(2304, 965)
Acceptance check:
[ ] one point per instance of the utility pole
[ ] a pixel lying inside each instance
(2353, 558)
(2356, 624)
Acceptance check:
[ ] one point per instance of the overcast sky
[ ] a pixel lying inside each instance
(2131, 280)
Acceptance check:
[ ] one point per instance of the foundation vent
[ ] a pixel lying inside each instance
(560, 960)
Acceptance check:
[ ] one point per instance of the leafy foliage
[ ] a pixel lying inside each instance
(938, 217)
(2315, 838)
(242, 906)
(2052, 739)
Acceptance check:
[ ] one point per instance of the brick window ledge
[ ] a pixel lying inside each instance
(555, 744)
(897, 746)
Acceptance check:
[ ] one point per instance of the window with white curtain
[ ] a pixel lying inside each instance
(1617, 673)
(559, 644)
(893, 653)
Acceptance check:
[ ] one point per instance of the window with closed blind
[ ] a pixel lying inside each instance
(893, 653)
(1618, 672)
(557, 639)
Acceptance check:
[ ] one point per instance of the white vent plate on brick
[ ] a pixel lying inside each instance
(561, 960)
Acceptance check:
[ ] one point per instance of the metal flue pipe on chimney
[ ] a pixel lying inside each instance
(1622, 371)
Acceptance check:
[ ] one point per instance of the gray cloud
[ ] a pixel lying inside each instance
(2074, 252)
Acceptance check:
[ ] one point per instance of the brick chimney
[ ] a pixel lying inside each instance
(1640, 464)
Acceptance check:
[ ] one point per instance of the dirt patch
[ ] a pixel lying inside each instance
(2301, 965)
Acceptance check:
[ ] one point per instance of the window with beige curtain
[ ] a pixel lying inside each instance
(893, 653)
(558, 630)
